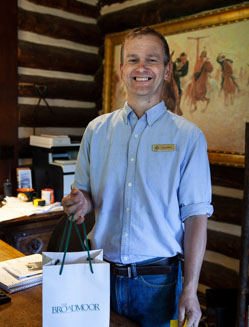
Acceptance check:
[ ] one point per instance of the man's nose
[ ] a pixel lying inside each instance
(141, 66)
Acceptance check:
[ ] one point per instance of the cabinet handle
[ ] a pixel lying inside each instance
(35, 246)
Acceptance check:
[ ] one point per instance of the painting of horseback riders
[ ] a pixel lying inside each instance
(208, 83)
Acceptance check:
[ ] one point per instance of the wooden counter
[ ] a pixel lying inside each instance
(25, 308)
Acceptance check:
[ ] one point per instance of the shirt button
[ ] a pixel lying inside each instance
(127, 209)
(132, 159)
(136, 136)
(130, 184)
(126, 234)
(125, 258)
(133, 115)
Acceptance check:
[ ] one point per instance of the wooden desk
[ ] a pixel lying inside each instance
(30, 234)
(25, 308)
(7, 252)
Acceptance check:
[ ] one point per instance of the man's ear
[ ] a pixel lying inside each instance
(167, 72)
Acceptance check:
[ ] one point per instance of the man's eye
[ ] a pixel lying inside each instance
(132, 60)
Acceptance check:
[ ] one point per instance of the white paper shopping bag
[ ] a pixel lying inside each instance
(77, 297)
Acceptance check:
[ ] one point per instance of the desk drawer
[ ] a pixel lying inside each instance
(30, 242)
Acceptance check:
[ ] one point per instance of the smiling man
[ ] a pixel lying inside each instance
(145, 172)
(143, 70)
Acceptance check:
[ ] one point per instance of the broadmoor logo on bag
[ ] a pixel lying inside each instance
(64, 308)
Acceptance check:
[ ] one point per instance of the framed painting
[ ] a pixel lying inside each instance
(209, 83)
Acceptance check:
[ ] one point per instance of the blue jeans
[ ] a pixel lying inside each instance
(150, 300)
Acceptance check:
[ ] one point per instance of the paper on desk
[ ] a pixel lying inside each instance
(13, 284)
(24, 269)
(15, 208)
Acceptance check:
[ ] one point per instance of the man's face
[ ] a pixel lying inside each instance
(143, 71)
(183, 59)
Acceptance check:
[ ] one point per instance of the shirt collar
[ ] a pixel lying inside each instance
(127, 112)
(151, 114)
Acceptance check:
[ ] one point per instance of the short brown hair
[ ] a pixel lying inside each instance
(139, 31)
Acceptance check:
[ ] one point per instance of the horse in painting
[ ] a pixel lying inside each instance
(228, 84)
(196, 90)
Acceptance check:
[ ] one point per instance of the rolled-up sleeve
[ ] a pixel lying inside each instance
(195, 192)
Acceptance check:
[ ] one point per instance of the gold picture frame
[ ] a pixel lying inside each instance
(209, 21)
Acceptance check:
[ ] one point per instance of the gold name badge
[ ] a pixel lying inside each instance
(163, 147)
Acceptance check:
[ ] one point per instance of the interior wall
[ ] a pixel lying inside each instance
(8, 92)
(58, 62)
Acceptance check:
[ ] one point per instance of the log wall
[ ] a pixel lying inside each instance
(58, 61)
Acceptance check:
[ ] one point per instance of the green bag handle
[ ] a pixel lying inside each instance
(64, 234)
(85, 248)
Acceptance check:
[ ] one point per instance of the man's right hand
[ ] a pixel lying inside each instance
(77, 203)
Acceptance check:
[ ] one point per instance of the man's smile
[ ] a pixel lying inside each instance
(142, 79)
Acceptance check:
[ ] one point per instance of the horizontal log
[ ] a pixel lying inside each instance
(31, 116)
(227, 209)
(58, 88)
(33, 55)
(72, 6)
(217, 276)
(59, 28)
(223, 243)
(227, 176)
(155, 12)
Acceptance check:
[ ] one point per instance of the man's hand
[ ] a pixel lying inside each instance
(78, 203)
(189, 308)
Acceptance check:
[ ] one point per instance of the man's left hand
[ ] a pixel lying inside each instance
(188, 308)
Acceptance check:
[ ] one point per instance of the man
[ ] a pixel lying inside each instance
(227, 70)
(180, 69)
(145, 172)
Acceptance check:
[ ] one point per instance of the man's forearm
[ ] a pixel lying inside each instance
(195, 239)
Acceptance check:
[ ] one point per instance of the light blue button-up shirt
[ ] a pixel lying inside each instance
(145, 176)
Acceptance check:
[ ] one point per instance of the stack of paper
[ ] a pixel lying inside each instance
(18, 274)
(15, 208)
